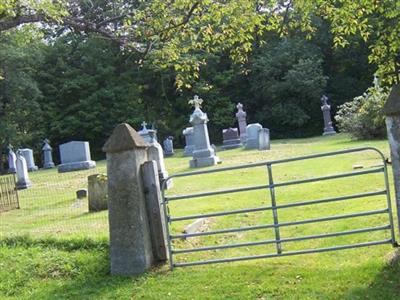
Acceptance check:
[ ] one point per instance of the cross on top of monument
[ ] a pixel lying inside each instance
(196, 102)
(46, 141)
(239, 106)
(144, 124)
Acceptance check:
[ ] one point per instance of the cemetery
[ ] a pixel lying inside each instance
(199, 150)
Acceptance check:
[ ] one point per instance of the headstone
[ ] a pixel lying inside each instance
(168, 146)
(130, 238)
(23, 181)
(12, 168)
(189, 142)
(252, 135)
(155, 152)
(203, 153)
(97, 192)
(81, 193)
(241, 117)
(30, 162)
(145, 132)
(75, 156)
(47, 155)
(263, 139)
(326, 111)
(231, 139)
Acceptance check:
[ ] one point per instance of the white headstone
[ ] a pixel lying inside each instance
(264, 139)
(12, 168)
(30, 162)
(74, 156)
(252, 135)
(23, 181)
(168, 146)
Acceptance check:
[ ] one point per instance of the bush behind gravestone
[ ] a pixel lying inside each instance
(363, 117)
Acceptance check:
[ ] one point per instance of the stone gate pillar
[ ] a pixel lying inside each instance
(130, 240)
(392, 112)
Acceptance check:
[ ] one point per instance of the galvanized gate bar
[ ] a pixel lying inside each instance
(307, 251)
(280, 184)
(282, 206)
(284, 240)
(308, 221)
(275, 207)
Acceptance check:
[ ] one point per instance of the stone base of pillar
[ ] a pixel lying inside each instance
(203, 162)
(231, 144)
(330, 132)
(75, 166)
(34, 168)
(23, 184)
(48, 166)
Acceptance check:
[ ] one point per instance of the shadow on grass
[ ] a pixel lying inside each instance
(385, 285)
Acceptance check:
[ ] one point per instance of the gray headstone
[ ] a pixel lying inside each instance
(326, 111)
(231, 139)
(189, 142)
(75, 155)
(203, 153)
(168, 146)
(264, 139)
(23, 181)
(47, 155)
(252, 135)
(155, 152)
(30, 162)
(97, 192)
(241, 117)
(145, 132)
(12, 168)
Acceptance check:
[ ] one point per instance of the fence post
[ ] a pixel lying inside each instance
(392, 112)
(130, 241)
(153, 204)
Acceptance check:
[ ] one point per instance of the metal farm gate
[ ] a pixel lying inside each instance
(271, 186)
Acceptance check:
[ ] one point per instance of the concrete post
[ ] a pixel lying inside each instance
(392, 112)
(130, 240)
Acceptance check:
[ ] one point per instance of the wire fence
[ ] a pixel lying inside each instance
(55, 205)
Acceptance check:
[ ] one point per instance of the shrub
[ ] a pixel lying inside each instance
(363, 117)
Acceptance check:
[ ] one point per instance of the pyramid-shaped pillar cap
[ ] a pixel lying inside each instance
(123, 138)
(392, 105)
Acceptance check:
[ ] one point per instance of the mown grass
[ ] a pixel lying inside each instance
(67, 266)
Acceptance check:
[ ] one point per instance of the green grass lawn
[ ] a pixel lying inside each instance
(71, 261)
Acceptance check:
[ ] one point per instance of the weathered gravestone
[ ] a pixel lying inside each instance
(189, 142)
(97, 192)
(231, 139)
(145, 133)
(203, 153)
(168, 146)
(75, 156)
(30, 161)
(11, 160)
(326, 111)
(241, 117)
(252, 130)
(47, 155)
(130, 238)
(264, 139)
(81, 193)
(23, 181)
(155, 152)
(392, 111)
